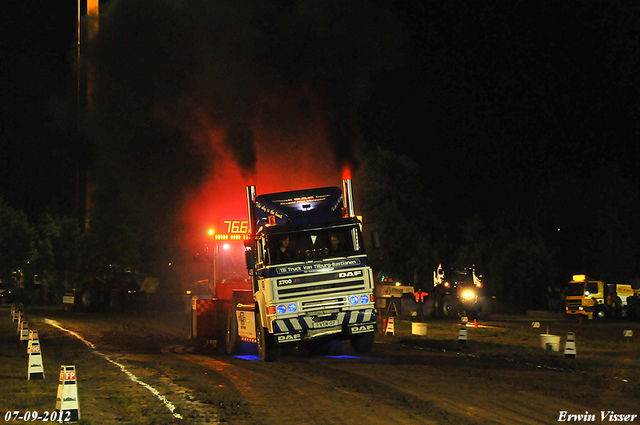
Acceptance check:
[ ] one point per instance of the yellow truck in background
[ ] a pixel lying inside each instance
(600, 300)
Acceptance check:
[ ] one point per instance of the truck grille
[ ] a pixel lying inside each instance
(322, 291)
(319, 288)
(324, 304)
(573, 304)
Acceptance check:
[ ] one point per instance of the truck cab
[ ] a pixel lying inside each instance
(600, 300)
(311, 278)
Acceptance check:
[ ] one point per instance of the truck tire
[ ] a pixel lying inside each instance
(600, 313)
(268, 348)
(363, 343)
(88, 299)
(449, 310)
(230, 339)
(115, 301)
(222, 326)
(437, 309)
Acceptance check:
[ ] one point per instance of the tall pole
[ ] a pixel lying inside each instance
(84, 91)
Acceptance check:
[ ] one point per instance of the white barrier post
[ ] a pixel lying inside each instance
(24, 331)
(570, 345)
(19, 320)
(67, 400)
(462, 334)
(36, 367)
(33, 336)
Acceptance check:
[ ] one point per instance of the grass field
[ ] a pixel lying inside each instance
(601, 348)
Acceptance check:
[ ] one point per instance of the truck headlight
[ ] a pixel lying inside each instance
(291, 308)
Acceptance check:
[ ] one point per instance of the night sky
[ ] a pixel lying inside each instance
(492, 99)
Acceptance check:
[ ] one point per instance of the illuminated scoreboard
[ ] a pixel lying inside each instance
(236, 230)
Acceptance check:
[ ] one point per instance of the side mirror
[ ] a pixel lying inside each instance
(250, 259)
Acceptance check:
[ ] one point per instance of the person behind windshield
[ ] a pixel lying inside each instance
(335, 245)
(283, 252)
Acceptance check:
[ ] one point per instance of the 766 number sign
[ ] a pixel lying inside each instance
(237, 226)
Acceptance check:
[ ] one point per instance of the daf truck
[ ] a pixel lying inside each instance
(310, 279)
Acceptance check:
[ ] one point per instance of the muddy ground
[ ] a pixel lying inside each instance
(501, 375)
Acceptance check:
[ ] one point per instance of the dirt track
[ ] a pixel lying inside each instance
(405, 380)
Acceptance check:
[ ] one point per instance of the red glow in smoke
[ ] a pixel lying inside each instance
(293, 152)
(346, 172)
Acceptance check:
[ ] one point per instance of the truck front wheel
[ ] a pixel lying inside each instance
(267, 346)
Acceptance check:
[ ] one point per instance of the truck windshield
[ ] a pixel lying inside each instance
(575, 289)
(314, 244)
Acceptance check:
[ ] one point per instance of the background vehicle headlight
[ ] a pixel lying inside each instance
(467, 295)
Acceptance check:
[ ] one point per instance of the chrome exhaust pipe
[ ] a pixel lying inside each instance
(251, 206)
(347, 194)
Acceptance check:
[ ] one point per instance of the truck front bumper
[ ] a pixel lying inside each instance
(344, 323)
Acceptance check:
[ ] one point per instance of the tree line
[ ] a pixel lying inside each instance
(40, 260)
(569, 223)
(43, 259)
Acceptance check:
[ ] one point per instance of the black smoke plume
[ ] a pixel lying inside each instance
(162, 72)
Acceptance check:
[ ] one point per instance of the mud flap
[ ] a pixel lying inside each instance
(361, 328)
(246, 319)
(284, 337)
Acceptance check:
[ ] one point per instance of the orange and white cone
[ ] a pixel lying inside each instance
(36, 366)
(67, 403)
(462, 334)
